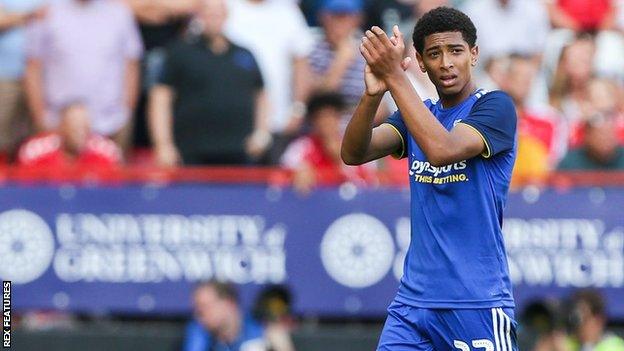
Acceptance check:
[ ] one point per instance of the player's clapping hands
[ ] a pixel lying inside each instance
(384, 58)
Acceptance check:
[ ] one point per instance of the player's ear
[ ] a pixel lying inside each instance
(474, 55)
(421, 63)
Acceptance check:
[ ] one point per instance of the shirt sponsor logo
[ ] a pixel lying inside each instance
(424, 172)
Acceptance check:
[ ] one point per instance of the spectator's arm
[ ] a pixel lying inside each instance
(160, 122)
(301, 90)
(132, 83)
(33, 86)
(9, 20)
(301, 79)
(261, 138)
(261, 117)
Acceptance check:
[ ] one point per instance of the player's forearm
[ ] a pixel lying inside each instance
(357, 138)
(431, 136)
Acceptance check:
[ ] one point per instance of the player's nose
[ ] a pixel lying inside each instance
(447, 63)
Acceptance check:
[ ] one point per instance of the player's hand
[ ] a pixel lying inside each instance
(374, 85)
(167, 156)
(384, 55)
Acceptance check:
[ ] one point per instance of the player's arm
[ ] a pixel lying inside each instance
(363, 143)
(439, 145)
(442, 147)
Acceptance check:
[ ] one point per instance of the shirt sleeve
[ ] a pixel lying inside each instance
(258, 80)
(133, 45)
(396, 121)
(35, 39)
(303, 40)
(168, 72)
(494, 118)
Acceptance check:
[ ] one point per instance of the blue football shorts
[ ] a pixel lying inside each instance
(421, 329)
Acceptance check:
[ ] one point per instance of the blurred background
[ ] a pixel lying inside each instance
(171, 168)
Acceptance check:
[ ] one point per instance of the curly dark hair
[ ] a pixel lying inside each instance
(443, 19)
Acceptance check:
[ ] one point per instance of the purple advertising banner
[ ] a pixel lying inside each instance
(139, 249)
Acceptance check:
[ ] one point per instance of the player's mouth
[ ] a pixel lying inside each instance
(448, 80)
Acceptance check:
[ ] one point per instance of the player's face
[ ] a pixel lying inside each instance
(448, 60)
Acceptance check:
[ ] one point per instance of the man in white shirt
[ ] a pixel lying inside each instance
(509, 26)
(277, 35)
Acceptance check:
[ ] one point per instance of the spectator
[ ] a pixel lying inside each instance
(278, 36)
(336, 61)
(568, 89)
(602, 99)
(600, 149)
(85, 50)
(209, 106)
(219, 324)
(160, 23)
(14, 15)
(582, 15)
(72, 144)
(509, 26)
(542, 327)
(589, 319)
(273, 309)
(315, 157)
(540, 140)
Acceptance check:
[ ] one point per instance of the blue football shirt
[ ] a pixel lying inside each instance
(456, 257)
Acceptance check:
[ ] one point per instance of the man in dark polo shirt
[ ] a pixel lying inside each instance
(209, 106)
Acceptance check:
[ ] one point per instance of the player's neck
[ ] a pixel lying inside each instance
(449, 101)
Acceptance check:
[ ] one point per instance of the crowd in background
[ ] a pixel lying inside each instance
(99, 83)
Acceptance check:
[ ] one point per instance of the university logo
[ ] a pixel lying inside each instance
(26, 246)
(357, 250)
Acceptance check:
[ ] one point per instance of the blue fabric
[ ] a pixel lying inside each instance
(13, 41)
(410, 328)
(197, 338)
(456, 257)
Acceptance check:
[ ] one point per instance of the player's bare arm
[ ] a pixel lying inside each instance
(384, 56)
(363, 143)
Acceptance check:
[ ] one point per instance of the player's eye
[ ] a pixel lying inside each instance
(456, 51)
(434, 54)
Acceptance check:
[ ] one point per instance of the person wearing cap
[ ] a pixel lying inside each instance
(335, 59)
